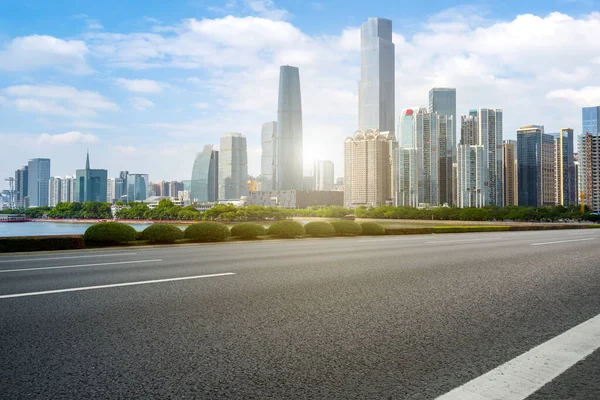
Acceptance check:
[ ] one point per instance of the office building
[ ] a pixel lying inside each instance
(323, 173)
(289, 154)
(406, 127)
(376, 90)
(510, 175)
(90, 184)
(164, 189)
(37, 182)
(443, 102)
(121, 186)
(471, 176)
(54, 191)
(565, 181)
(233, 167)
(367, 169)
(536, 170)
(204, 186)
(269, 150)
(175, 187)
(138, 186)
(68, 189)
(110, 190)
(21, 187)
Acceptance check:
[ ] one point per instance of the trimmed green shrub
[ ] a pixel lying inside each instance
(346, 228)
(371, 228)
(408, 231)
(162, 233)
(466, 229)
(110, 233)
(207, 232)
(248, 230)
(286, 229)
(319, 228)
(41, 243)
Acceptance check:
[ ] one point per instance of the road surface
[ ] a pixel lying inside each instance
(507, 315)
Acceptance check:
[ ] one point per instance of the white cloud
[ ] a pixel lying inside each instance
(141, 85)
(201, 105)
(267, 9)
(95, 25)
(67, 138)
(58, 100)
(126, 149)
(141, 104)
(42, 51)
(589, 95)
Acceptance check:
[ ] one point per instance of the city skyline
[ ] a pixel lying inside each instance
(122, 110)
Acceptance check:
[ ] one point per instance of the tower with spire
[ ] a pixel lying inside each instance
(90, 184)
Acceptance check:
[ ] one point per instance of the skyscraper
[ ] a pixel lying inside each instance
(205, 176)
(90, 184)
(137, 187)
(445, 133)
(21, 186)
(175, 187)
(323, 174)
(54, 191)
(536, 170)
(589, 154)
(121, 186)
(68, 189)
(289, 155)
(407, 177)
(490, 136)
(510, 173)
(472, 175)
(591, 120)
(233, 167)
(443, 102)
(565, 180)
(269, 149)
(427, 157)
(406, 127)
(38, 179)
(469, 130)
(111, 189)
(376, 90)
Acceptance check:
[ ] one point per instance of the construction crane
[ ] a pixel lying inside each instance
(11, 192)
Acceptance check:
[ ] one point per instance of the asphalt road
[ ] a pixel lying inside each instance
(407, 317)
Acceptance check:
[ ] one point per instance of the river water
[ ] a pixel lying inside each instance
(48, 228)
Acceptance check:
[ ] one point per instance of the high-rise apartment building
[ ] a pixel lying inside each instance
(323, 173)
(406, 127)
(427, 157)
(367, 168)
(443, 102)
(233, 167)
(469, 130)
(269, 150)
(510, 174)
(289, 155)
(376, 90)
(471, 176)
(164, 189)
(111, 186)
(54, 191)
(205, 176)
(445, 138)
(407, 177)
(90, 184)
(565, 181)
(37, 182)
(21, 187)
(536, 168)
(589, 170)
(68, 189)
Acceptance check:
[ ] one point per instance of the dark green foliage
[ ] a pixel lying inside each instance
(465, 229)
(346, 228)
(87, 210)
(371, 228)
(408, 231)
(319, 228)
(286, 229)
(162, 233)
(248, 230)
(207, 232)
(110, 233)
(41, 243)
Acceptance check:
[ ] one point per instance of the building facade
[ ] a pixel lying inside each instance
(21, 187)
(471, 176)
(446, 144)
(233, 167)
(137, 187)
(323, 173)
(68, 189)
(90, 184)
(289, 154)
(54, 191)
(205, 176)
(407, 177)
(510, 174)
(536, 172)
(269, 150)
(406, 127)
(38, 182)
(589, 170)
(427, 157)
(565, 181)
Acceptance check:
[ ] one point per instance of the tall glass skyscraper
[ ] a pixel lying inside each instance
(38, 182)
(137, 187)
(589, 153)
(90, 184)
(376, 99)
(536, 167)
(267, 162)
(233, 167)
(205, 176)
(406, 127)
(289, 156)
(591, 120)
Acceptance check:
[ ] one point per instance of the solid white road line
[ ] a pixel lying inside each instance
(527, 373)
(563, 241)
(80, 266)
(67, 258)
(9, 296)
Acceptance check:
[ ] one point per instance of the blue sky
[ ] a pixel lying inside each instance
(145, 84)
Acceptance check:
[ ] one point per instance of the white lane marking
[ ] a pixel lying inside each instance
(9, 296)
(527, 373)
(67, 258)
(398, 238)
(466, 240)
(79, 266)
(563, 241)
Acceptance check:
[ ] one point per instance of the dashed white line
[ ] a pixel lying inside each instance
(78, 289)
(79, 266)
(524, 375)
(67, 258)
(563, 241)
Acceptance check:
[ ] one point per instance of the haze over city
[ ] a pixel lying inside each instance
(149, 84)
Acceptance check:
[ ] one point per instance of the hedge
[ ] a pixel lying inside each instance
(372, 228)
(408, 231)
(110, 233)
(162, 233)
(346, 228)
(466, 229)
(319, 228)
(41, 243)
(248, 230)
(207, 232)
(286, 229)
